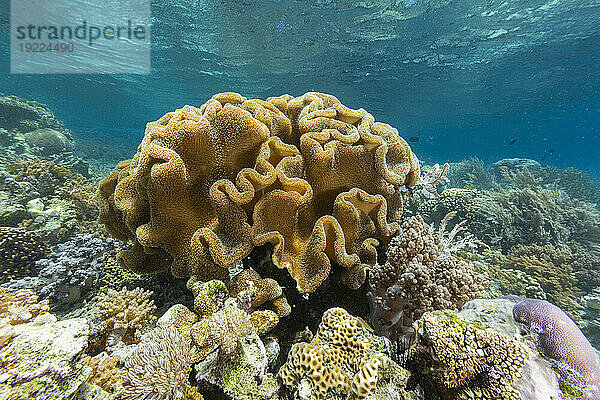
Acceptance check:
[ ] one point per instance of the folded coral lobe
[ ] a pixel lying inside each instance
(311, 176)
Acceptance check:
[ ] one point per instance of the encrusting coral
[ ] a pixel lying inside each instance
(462, 360)
(207, 184)
(224, 320)
(344, 358)
(420, 275)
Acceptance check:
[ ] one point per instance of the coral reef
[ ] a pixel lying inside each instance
(69, 271)
(20, 250)
(105, 371)
(343, 360)
(48, 141)
(21, 306)
(47, 198)
(551, 268)
(227, 352)
(577, 184)
(242, 377)
(122, 315)
(470, 174)
(426, 186)
(420, 275)
(222, 329)
(559, 338)
(25, 116)
(528, 213)
(208, 184)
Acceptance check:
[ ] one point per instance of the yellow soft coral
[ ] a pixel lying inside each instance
(314, 178)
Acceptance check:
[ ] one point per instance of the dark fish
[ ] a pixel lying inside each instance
(543, 158)
(513, 141)
(551, 151)
(414, 139)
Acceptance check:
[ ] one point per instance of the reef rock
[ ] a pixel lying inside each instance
(43, 360)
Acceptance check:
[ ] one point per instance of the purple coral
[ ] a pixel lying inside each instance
(558, 337)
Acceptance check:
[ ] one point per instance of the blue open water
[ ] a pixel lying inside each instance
(468, 78)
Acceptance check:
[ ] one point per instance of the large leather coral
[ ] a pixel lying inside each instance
(314, 178)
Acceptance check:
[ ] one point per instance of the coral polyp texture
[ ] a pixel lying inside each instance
(160, 366)
(559, 337)
(343, 360)
(462, 360)
(420, 275)
(314, 178)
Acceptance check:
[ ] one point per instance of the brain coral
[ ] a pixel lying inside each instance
(207, 184)
(559, 338)
(343, 358)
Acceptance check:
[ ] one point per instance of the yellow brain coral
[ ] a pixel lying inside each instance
(314, 178)
(343, 358)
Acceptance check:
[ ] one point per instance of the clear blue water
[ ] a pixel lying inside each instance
(467, 78)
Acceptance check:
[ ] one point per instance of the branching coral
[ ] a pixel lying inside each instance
(528, 213)
(123, 314)
(420, 275)
(343, 358)
(465, 360)
(207, 184)
(551, 267)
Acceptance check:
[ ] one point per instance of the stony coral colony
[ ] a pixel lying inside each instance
(326, 187)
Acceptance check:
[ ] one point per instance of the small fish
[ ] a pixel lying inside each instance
(513, 141)
(551, 151)
(414, 139)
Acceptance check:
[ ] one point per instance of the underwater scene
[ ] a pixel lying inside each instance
(300, 200)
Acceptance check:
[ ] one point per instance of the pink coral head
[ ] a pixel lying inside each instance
(559, 337)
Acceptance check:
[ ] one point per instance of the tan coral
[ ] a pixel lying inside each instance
(105, 372)
(207, 184)
(263, 321)
(160, 366)
(209, 296)
(124, 313)
(344, 357)
(21, 306)
(267, 289)
(221, 330)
